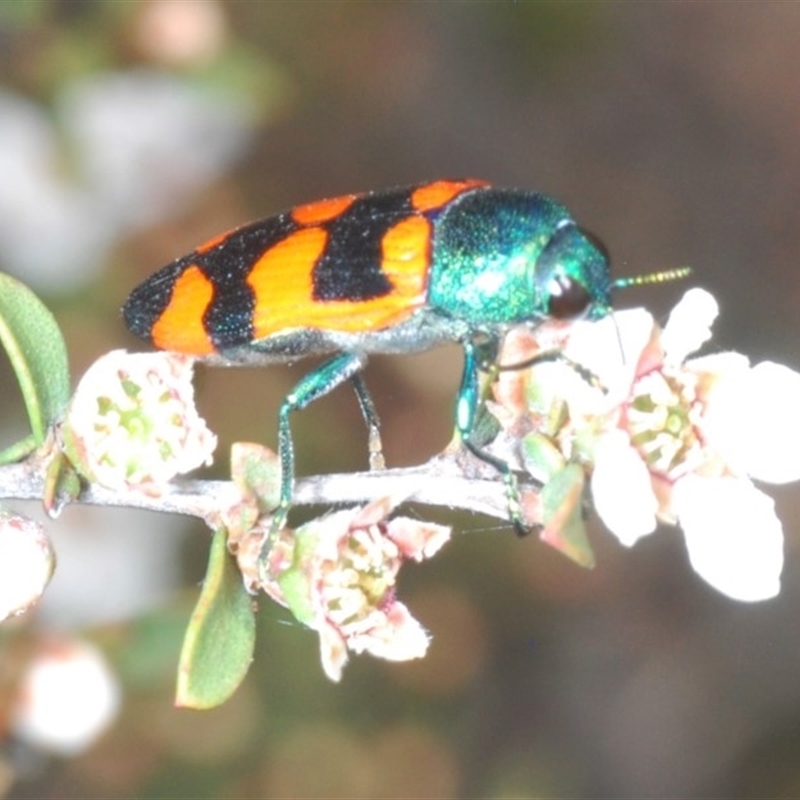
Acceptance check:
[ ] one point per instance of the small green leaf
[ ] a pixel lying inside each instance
(219, 641)
(540, 456)
(256, 470)
(562, 503)
(37, 352)
(294, 582)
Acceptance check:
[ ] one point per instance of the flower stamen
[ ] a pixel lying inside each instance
(659, 418)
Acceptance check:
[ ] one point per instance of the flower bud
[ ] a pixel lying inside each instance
(27, 562)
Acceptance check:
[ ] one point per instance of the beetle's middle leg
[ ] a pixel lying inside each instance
(321, 381)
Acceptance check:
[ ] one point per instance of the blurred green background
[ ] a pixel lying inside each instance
(132, 131)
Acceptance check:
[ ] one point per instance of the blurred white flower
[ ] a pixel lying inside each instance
(51, 230)
(192, 32)
(150, 141)
(141, 145)
(67, 698)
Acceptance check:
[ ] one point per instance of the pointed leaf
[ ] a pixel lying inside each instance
(256, 470)
(564, 529)
(19, 450)
(540, 456)
(31, 337)
(218, 646)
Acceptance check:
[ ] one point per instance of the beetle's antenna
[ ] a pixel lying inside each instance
(620, 283)
(653, 277)
(641, 280)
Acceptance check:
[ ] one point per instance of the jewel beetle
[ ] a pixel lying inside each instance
(392, 271)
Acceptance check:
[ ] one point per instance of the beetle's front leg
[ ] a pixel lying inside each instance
(311, 387)
(467, 405)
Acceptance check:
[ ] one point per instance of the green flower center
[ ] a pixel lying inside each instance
(366, 572)
(659, 420)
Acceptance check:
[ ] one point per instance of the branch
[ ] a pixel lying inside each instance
(442, 482)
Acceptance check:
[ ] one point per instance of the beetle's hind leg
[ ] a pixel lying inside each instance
(367, 406)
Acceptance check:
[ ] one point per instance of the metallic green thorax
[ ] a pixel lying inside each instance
(498, 257)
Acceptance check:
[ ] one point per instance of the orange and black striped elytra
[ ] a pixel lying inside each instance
(392, 271)
(355, 264)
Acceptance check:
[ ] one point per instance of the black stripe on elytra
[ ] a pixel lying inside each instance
(350, 267)
(228, 320)
(149, 300)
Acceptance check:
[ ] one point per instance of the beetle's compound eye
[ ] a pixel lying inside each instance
(567, 298)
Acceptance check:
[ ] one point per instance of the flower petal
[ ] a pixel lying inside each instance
(751, 417)
(773, 432)
(734, 538)
(417, 539)
(621, 489)
(399, 638)
(689, 325)
(333, 651)
(610, 348)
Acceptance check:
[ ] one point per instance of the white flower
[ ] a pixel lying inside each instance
(701, 427)
(132, 422)
(670, 438)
